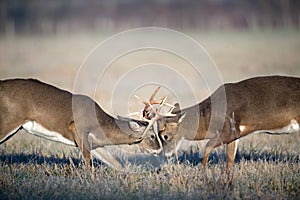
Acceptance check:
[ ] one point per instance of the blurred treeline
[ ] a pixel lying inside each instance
(55, 16)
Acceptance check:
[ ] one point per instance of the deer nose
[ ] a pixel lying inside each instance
(152, 136)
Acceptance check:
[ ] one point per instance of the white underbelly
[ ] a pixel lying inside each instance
(293, 127)
(36, 129)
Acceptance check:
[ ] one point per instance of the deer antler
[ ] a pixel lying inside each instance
(156, 117)
(151, 101)
(148, 104)
(151, 114)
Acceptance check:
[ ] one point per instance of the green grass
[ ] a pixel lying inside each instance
(34, 168)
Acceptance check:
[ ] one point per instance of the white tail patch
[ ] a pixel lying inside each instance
(36, 129)
(242, 127)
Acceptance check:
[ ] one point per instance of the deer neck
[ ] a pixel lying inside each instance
(112, 131)
(96, 127)
(197, 121)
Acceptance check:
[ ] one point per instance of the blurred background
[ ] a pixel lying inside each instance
(49, 40)
(63, 16)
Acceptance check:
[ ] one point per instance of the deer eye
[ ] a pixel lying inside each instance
(166, 137)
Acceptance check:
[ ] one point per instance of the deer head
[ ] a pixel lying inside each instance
(165, 125)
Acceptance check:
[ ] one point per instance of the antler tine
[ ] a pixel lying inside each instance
(137, 114)
(134, 113)
(141, 99)
(169, 105)
(156, 118)
(151, 122)
(168, 114)
(171, 109)
(153, 95)
(147, 105)
(150, 112)
(144, 102)
(162, 103)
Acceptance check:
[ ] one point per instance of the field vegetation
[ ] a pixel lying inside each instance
(267, 167)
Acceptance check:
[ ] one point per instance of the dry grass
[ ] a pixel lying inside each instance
(267, 167)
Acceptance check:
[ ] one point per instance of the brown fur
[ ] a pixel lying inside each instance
(72, 116)
(260, 103)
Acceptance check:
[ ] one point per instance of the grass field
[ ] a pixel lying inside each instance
(267, 167)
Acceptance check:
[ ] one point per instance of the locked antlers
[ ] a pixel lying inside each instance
(151, 113)
(149, 110)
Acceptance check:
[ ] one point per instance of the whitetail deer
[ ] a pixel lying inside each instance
(268, 104)
(46, 111)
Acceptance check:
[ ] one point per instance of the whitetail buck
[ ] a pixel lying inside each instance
(58, 115)
(268, 104)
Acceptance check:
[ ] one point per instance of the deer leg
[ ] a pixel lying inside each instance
(104, 155)
(230, 155)
(211, 144)
(85, 151)
(221, 138)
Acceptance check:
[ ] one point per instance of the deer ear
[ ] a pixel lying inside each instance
(127, 119)
(177, 108)
(181, 118)
(136, 127)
